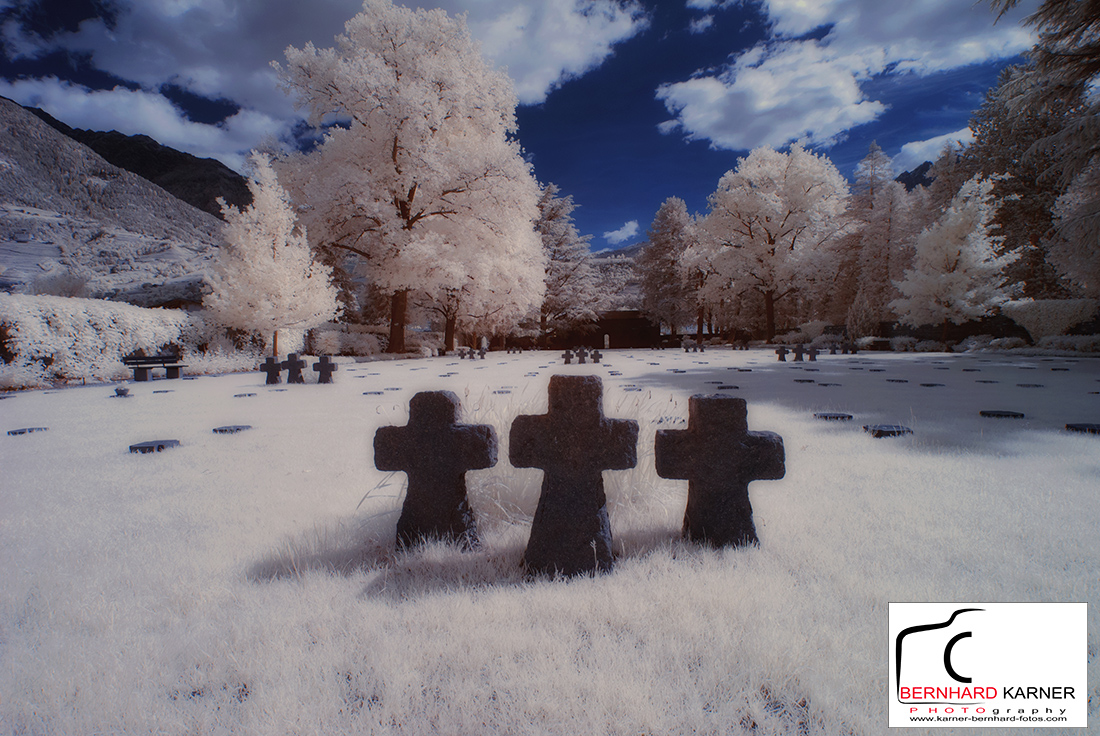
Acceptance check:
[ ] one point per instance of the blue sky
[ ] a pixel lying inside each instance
(623, 102)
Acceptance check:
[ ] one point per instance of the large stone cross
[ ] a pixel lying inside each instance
(272, 367)
(719, 457)
(324, 369)
(435, 452)
(573, 444)
(294, 366)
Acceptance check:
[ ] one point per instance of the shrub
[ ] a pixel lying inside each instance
(1049, 317)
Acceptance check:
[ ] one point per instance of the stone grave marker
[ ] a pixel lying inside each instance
(998, 414)
(435, 451)
(151, 446)
(1030, 385)
(1085, 428)
(719, 457)
(26, 430)
(886, 430)
(811, 353)
(833, 416)
(781, 352)
(799, 353)
(325, 368)
(242, 396)
(596, 356)
(294, 366)
(572, 443)
(121, 393)
(273, 368)
(567, 356)
(232, 428)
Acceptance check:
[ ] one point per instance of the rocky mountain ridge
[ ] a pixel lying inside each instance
(72, 222)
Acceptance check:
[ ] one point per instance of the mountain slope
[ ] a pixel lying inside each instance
(66, 213)
(197, 181)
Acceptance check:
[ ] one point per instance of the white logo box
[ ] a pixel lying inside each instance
(988, 664)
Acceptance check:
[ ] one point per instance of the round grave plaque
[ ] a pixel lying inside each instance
(998, 414)
(833, 416)
(26, 430)
(1086, 428)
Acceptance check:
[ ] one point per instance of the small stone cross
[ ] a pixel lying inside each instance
(596, 356)
(782, 353)
(568, 356)
(325, 368)
(719, 457)
(272, 367)
(573, 444)
(482, 352)
(435, 452)
(812, 352)
(294, 366)
(799, 351)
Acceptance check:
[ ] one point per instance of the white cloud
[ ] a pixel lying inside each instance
(546, 43)
(626, 232)
(223, 49)
(135, 112)
(790, 88)
(916, 153)
(770, 99)
(700, 25)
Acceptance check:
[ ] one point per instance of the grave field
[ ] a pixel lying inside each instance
(247, 582)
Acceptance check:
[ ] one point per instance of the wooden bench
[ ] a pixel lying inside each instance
(142, 366)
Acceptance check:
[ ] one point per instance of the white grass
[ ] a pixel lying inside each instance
(248, 583)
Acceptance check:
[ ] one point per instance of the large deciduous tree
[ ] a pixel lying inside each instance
(422, 147)
(957, 274)
(265, 278)
(769, 222)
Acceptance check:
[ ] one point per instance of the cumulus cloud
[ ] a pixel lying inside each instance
(626, 232)
(700, 25)
(791, 87)
(915, 153)
(547, 43)
(223, 49)
(135, 112)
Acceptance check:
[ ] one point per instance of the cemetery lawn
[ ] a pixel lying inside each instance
(248, 583)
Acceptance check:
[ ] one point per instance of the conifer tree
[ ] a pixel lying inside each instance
(957, 274)
(265, 278)
(668, 295)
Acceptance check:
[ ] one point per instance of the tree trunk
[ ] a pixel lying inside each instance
(769, 315)
(943, 335)
(398, 305)
(449, 327)
(275, 345)
(543, 338)
(701, 318)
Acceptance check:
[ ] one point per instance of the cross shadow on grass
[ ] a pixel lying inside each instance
(348, 548)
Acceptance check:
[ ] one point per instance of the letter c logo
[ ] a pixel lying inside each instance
(947, 658)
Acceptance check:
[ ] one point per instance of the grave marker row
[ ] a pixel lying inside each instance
(573, 443)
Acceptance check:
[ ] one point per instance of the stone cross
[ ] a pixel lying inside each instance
(272, 367)
(568, 356)
(782, 353)
(294, 366)
(812, 352)
(582, 356)
(799, 351)
(573, 444)
(325, 368)
(435, 452)
(719, 457)
(596, 356)
(482, 352)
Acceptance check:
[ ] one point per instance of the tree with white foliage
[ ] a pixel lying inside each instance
(422, 148)
(769, 223)
(1074, 247)
(573, 289)
(667, 295)
(957, 274)
(265, 278)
